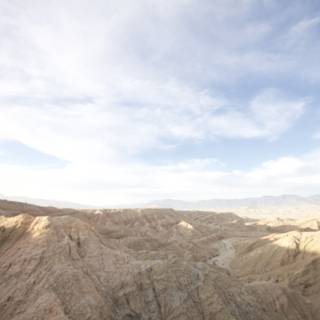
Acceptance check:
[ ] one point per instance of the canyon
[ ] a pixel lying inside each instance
(122, 264)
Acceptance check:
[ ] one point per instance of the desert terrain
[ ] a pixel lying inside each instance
(150, 264)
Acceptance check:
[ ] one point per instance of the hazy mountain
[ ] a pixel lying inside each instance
(284, 205)
(291, 205)
(229, 203)
(46, 202)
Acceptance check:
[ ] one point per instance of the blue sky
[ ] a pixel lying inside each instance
(106, 102)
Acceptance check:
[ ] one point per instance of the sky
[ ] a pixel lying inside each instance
(118, 102)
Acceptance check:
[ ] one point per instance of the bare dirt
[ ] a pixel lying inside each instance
(150, 264)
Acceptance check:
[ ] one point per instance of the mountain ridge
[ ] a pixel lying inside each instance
(283, 205)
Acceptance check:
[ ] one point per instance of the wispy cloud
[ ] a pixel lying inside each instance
(305, 25)
(98, 84)
(116, 184)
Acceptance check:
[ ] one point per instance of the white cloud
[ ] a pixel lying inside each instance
(103, 130)
(276, 113)
(117, 184)
(268, 115)
(234, 124)
(96, 82)
(304, 26)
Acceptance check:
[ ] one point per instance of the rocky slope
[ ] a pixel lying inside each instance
(138, 264)
(289, 255)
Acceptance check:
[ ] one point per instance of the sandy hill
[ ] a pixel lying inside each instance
(60, 264)
(291, 258)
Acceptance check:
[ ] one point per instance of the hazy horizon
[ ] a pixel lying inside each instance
(313, 199)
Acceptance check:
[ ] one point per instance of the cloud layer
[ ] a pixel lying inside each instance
(100, 85)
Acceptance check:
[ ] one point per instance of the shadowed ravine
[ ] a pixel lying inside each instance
(154, 264)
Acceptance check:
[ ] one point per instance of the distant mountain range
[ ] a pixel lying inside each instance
(47, 202)
(284, 205)
(283, 200)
